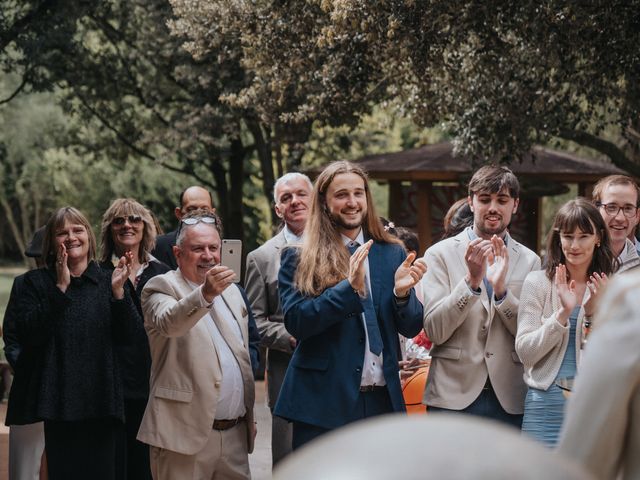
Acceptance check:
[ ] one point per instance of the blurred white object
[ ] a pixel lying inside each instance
(438, 446)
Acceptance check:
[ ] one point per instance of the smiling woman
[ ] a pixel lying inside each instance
(556, 306)
(72, 314)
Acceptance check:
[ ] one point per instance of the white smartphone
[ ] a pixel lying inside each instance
(231, 256)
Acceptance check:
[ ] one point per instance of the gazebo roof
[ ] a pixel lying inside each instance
(437, 163)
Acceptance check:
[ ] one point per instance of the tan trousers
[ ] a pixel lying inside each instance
(224, 457)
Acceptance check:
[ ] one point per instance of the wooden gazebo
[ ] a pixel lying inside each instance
(425, 181)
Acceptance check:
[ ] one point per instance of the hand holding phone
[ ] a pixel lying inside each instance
(231, 256)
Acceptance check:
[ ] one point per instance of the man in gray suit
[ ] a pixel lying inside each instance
(291, 194)
(471, 293)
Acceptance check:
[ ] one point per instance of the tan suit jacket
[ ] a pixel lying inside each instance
(472, 336)
(185, 372)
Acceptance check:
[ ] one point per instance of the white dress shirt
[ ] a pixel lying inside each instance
(372, 373)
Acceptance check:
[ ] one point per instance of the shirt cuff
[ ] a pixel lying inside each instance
(475, 292)
(499, 301)
(401, 300)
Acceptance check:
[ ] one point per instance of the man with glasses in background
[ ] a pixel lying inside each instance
(203, 340)
(616, 196)
(191, 199)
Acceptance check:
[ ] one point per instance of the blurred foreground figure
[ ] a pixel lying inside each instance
(602, 427)
(442, 446)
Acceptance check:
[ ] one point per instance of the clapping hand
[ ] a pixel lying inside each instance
(596, 284)
(121, 274)
(566, 293)
(409, 274)
(476, 259)
(63, 274)
(357, 268)
(497, 266)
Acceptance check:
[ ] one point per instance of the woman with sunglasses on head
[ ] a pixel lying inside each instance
(74, 313)
(555, 311)
(128, 228)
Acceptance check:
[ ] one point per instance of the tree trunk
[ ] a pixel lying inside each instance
(235, 218)
(266, 165)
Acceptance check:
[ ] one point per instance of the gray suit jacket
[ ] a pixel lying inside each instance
(261, 281)
(473, 337)
(185, 376)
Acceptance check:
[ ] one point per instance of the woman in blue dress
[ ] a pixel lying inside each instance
(555, 310)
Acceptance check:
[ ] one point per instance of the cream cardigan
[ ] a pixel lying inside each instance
(541, 340)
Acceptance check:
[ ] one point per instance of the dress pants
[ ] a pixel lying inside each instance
(370, 404)
(486, 405)
(86, 449)
(136, 452)
(277, 363)
(224, 457)
(26, 444)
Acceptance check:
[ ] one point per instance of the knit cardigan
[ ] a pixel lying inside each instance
(541, 341)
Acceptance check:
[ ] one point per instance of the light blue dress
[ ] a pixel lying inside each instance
(544, 410)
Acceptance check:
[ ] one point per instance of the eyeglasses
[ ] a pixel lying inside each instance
(612, 209)
(132, 219)
(196, 220)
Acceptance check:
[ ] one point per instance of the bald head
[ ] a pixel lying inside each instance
(194, 198)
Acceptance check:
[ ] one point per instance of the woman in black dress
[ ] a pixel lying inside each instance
(128, 228)
(75, 313)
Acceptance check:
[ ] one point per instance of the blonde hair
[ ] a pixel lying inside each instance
(324, 261)
(57, 221)
(123, 207)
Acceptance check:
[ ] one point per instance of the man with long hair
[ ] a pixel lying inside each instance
(346, 293)
(471, 306)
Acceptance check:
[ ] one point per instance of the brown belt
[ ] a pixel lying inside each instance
(227, 424)
(372, 388)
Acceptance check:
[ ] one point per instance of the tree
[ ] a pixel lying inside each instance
(505, 75)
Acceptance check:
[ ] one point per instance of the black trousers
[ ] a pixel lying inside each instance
(137, 453)
(86, 449)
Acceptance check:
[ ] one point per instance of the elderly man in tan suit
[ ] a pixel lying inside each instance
(471, 292)
(199, 419)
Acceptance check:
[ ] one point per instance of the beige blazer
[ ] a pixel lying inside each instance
(185, 373)
(473, 338)
(602, 422)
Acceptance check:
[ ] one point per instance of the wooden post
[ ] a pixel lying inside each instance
(424, 215)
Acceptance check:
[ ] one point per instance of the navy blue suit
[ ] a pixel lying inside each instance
(322, 384)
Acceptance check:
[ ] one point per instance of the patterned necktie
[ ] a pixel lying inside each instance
(370, 317)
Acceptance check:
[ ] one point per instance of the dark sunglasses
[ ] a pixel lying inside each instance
(133, 220)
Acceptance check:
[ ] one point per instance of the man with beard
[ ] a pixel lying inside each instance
(346, 293)
(471, 304)
(291, 194)
(616, 196)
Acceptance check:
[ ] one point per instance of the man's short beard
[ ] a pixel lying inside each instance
(338, 222)
(480, 227)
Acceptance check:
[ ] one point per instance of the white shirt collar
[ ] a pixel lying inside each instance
(289, 236)
(359, 239)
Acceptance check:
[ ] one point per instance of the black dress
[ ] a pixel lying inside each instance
(80, 392)
(135, 366)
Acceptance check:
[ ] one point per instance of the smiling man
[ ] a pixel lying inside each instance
(291, 195)
(471, 303)
(346, 293)
(203, 341)
(617, 196)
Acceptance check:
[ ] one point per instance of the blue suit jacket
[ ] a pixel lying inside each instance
(321, 386)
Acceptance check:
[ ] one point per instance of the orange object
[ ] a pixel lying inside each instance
(413, 390)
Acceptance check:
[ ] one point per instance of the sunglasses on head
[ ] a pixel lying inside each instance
(196, 220)
(132, 219)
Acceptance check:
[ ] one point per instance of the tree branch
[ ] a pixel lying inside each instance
(617, 156)
(16, 91)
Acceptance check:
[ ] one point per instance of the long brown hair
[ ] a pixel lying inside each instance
(582, 214)
(324, 261)
(56, 221)
(122, 207)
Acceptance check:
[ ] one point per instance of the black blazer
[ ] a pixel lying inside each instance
(163, 250)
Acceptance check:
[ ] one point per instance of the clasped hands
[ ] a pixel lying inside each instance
(406, 277)
(490, 259)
